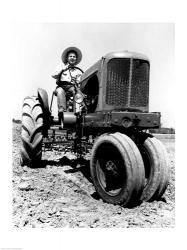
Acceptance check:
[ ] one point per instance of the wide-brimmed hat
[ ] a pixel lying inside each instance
(72, 49)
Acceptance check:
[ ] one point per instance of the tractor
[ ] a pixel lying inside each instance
(110, 119)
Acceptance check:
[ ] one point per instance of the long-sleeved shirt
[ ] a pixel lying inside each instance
(67, 75)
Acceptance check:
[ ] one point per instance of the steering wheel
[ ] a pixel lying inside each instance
(74, 67)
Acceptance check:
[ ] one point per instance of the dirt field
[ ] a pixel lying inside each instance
(61, 194)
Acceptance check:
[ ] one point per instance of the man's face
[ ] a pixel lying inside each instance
(72, 58)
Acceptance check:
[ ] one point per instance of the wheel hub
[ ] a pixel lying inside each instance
(111, 167)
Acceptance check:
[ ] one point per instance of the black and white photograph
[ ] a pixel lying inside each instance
(93, 127)
(92, 96)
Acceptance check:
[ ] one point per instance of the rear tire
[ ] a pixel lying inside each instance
(156, 169)
(31, 131)
(117, 169)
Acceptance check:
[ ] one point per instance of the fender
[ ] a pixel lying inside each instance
(43, 98)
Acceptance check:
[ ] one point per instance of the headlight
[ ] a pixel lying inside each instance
(79, 98)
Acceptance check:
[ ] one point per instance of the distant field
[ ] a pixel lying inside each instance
(165, 136)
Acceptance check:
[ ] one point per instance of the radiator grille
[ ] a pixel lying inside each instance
(119, 89)
(117, 82)
(139, 84)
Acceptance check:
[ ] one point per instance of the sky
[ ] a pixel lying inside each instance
(37, 49)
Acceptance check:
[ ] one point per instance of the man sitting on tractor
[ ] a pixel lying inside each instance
(68, 77)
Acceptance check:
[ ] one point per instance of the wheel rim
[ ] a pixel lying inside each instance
(110, 170)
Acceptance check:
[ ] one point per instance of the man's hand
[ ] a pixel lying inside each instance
(73, 80)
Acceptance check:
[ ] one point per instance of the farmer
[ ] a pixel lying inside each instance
(66, 75)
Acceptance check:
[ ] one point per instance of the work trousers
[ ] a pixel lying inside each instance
(62, 94)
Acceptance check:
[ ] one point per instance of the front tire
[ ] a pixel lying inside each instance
(117, 169)
(156, 169)
(31, 131)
